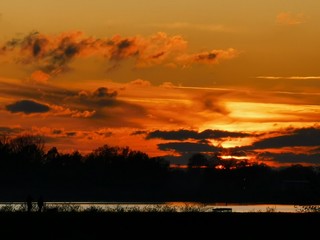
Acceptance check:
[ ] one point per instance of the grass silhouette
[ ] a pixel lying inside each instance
(72, 221)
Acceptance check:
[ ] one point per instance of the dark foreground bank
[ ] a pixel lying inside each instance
(88, 225)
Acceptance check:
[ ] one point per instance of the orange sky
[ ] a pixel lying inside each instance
(169, 78)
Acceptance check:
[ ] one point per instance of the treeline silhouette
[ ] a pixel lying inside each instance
(112, 173)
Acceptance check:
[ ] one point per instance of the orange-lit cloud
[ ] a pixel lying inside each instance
(40, 76)
(212, 57)
(51, 55)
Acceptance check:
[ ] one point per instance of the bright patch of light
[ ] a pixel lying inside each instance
(235, 157)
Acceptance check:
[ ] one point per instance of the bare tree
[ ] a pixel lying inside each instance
(28, 148)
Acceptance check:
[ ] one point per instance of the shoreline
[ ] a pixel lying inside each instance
(156, 207)
(89, 225)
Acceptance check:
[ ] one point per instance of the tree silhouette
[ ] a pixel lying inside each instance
(113, 173)
(27, 149)
(198, 160)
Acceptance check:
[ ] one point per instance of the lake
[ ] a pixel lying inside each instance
(166, 206)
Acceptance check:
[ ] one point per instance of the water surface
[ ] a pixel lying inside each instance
(166, 206)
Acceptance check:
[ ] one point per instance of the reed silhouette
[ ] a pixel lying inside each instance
(40, 203)
(29, 203)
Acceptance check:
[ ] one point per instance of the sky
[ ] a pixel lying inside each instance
(169, 78)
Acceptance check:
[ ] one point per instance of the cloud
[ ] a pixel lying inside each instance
(57, 110)
(9, 130)
(290, 77)
(193, 26)
(104, 133)
(188, 147)
(290, 158)
(100, 98)
(71, 134)
(183, 134)
(298, 137)
(40, 76)
(102, 104)
(290, 19)
(56, 131)
(208, 58)
(99, 103)
(103, 92)
(211, 103)
(27, 107)
(139, 132)
(51, 55)
(140, 83)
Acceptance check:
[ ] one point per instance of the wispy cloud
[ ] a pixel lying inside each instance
(290, 77)
(201, 27)
(290, 19)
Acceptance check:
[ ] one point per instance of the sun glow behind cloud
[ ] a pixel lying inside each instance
(176, 107)
(274, 112)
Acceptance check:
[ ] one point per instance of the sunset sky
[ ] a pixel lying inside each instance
(170, 78)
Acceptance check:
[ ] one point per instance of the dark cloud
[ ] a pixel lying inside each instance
(101, 97)
(122, 49)
(237, 151)
(219, 134)
(103, 92)
(293, 158)
(157, 55)
(139, 132)
(8, 130)
(47, 92)
(104, 134)
(107, 108)
(298, 137)
(206, 56)
(211, 57)
(213, 105)
(50, 58)
(71, 134)
(304, 137)
(173, 135)
(56, 131)
(183, 134)
(187, 147)
(27, 107)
